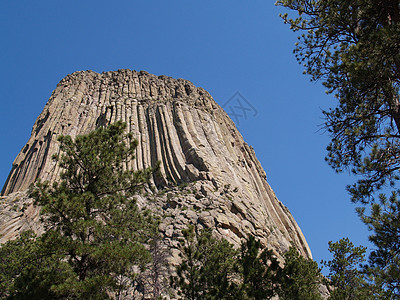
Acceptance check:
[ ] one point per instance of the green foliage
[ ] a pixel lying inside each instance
(264, 278)
(94, 229)
(259, 271)
(353, 47)
(206, 268)
(212, 269)
(384, 260)
(345, 274)
(299, 278)
(29, 266)
(95, 234)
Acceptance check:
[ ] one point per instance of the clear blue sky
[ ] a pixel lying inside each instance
(222, 46)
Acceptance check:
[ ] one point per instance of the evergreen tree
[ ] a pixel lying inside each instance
(259, 271)
(29, 266)
(345, 274)
(353, 47)
(153, 281)
(299, 278)
(212, 269)
(94, 229)
(207, 267)
(384, 260)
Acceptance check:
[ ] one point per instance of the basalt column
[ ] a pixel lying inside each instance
(209, 175)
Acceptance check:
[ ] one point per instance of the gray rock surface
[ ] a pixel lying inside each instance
(210, 176)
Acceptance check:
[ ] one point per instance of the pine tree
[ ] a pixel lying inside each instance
(345, 271)
(212, 269)
(29, 266)
(153, 281)
(94, 230)
(384, 260)
(207, 267)
(259, 270)
(299, 278)
(353, 48)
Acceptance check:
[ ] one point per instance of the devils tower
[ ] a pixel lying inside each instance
(209, 176)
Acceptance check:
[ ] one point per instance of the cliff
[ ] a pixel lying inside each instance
(209, 176)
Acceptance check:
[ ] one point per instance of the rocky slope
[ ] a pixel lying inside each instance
(210, 176)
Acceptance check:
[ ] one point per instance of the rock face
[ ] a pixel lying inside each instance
(210, 176)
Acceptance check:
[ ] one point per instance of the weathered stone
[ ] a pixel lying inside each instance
(209, 175)
(17, 213)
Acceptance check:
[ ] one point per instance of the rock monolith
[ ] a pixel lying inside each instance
(209, 176)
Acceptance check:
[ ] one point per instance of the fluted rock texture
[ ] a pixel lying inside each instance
(210, 176)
